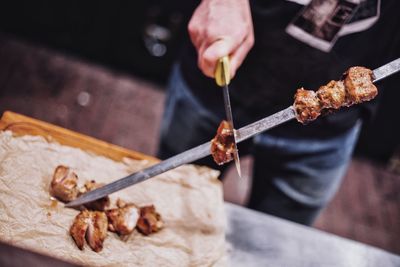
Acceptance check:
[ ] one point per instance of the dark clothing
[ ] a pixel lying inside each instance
(293, 178)
(278, 64)
(297, 169)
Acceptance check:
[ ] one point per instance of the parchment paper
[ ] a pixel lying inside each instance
(188, 198)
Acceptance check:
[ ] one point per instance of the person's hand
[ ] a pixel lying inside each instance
(219, 28)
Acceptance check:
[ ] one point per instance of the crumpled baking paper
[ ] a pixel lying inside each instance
(188, 198)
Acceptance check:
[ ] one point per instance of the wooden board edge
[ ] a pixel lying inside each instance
(23, 125)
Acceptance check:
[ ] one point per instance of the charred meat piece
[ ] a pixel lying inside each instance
(79, 228)
(223, 144)
(123, 220)
(64, 184)
(332, 95)
(307, 106)
(359, 86)
(100, 204)
(149, 221)
(97, 230)
(91, 225)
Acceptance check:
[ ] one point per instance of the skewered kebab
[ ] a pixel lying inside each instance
(355, 87)
(204, 150)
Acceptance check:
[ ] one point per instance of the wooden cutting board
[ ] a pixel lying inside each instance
(23, 125)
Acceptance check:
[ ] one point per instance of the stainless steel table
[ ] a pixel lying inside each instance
(258, 239)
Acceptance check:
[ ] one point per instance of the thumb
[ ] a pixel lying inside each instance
(208, 59)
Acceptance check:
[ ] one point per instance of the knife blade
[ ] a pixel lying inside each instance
(222, 78)
(203, 150)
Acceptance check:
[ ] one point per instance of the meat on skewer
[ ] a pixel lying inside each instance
(307, 105)
(223, 144)
(359, 86)
(356, 87)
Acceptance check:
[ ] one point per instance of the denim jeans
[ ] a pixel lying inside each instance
(293, 178)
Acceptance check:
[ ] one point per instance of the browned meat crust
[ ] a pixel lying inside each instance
(99, 204)
(64, 184)
(97, 230)
(223, 144)
(149, 221)
(332, 95)
(123, 220)
(91, 225)
(357, 87)
(307, 105)
(79, 227)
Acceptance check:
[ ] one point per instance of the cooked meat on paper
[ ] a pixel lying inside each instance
(359, 86)
(193, 232)
(100, 204)
(149, 221)
(123, 219)
(92, 226)
(355, 87)
(332, 95)
(64, 185)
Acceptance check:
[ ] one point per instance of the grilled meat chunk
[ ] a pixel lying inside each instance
(79, 228)
(223, 144)
(332, 95)
(99, 204)
(91, 225)
(307, 106)
(123, 220)
(97, 230)
(64, 184)
(359, 86)
(149, 221)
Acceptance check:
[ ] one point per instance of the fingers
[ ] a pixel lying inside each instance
(219, 28)
(209, 54)
(238, 56)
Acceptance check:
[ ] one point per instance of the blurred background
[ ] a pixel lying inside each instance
(100, 68)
